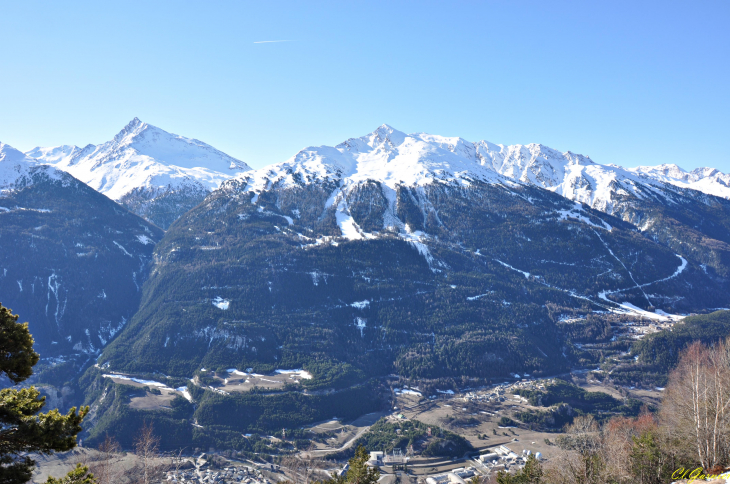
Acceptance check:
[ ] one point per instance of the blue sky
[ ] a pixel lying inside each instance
(622, 82)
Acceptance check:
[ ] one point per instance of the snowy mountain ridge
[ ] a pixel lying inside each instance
(386, 155)
(707, 180)
(392, 157)
(600, 186)
(54, 154)
(17, 169)
(160, 175)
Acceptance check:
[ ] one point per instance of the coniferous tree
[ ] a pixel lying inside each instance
(80, 475)
(530, 474)
(358, 472)
(23, 429)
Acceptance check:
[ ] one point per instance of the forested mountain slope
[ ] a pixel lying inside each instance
(687, 211)
(72, 262)
(392, 252)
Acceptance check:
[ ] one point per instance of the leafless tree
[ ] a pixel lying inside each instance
(696, 402)
(617, 441)
(581, 460)
(297, 469)
(177, 461)
(564, 468)
(107, 468)
(147, 449)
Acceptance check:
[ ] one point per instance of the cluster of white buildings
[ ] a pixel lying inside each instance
(379, 458)
(503, 458)
(500, 458)
(454, 476)
(228, 475)
(504, 391)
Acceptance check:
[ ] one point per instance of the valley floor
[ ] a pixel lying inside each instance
(471, 413)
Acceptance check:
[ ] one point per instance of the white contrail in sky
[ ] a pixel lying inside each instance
(270, 41)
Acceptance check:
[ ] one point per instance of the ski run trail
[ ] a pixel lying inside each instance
(626, 307)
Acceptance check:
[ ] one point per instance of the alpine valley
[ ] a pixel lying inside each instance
(277, 297)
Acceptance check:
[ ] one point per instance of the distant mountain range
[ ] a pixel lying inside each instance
(160, 176)
(579, 178)
(382, 185)
(421, 255)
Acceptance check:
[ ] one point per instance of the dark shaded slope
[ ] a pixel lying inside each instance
(72, 262)
(263, 285)
(692, 223)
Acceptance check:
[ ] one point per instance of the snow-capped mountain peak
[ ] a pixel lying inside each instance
(578, 159)
(393, 158)
(147, 163)
(385, 155)
(8, 154)
(132, 128)
(140, 138)
(705, 172)
(662, 171)
(386, 135)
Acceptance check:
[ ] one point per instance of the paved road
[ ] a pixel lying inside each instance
(346, 445)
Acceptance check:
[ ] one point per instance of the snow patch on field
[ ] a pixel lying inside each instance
(577, 213)
(361, 324)
(417, 239)
(680, 269)
(349, 228)
(407, 391)
(303, 374)
(25, 209)
(317, 276)
(185, 393)
(221, 303)
(630, 308)
(143, 239)
(150, 383)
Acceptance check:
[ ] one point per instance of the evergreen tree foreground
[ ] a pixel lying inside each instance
(358, 472)
(23, 428)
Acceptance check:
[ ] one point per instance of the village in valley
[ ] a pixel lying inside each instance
(476, 414)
